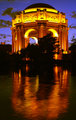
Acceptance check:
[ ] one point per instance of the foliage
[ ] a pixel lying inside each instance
(10, 12)
(32, 52)
(73, 41)
(42, 52)
(49, 46)
(73, 45)
(73, 49)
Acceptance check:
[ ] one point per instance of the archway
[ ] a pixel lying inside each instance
(31, 34)
(55, 34)
(27, 32)
(33, 40)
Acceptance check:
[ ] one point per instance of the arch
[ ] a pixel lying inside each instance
(27, 32)
(36, 40)
(55, 34)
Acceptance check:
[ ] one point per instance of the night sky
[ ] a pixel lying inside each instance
(9, 7)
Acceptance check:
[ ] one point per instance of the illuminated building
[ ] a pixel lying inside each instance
(36, 21)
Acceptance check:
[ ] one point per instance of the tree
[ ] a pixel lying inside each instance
(73, 45)
(31, 52)
(44, 51)
(49, 46)
(73, 49)
(73, 41)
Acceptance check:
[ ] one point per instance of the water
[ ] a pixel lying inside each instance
(46, 94)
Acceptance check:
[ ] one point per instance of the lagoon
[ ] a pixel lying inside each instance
(47, 93)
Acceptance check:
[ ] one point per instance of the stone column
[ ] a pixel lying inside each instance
(41, 27)
(20, 41)
(67, 38)
(45, 29)
(22, 37)
(42, 30)
(60, 36)
(17, 42)
(63, 39)
(26, 42)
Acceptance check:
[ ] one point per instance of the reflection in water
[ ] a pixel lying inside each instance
(39, 101)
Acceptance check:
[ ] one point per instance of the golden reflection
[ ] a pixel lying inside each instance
(55, 56)
(40, 101)
(27, 68)
(58, 99)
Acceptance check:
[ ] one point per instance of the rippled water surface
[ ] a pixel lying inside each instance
(44, 95)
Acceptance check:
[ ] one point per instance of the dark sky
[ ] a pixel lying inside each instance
(66, 6)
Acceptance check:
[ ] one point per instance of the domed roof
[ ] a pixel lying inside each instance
(38, 5)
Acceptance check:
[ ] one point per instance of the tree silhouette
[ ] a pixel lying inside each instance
(73, 41)
(73, 49)
(73, 45)
(49, 46)
(44, 51)
(32, 52)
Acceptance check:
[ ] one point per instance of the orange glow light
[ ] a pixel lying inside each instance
(55, 34)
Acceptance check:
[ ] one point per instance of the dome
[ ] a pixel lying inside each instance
(38, 5)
